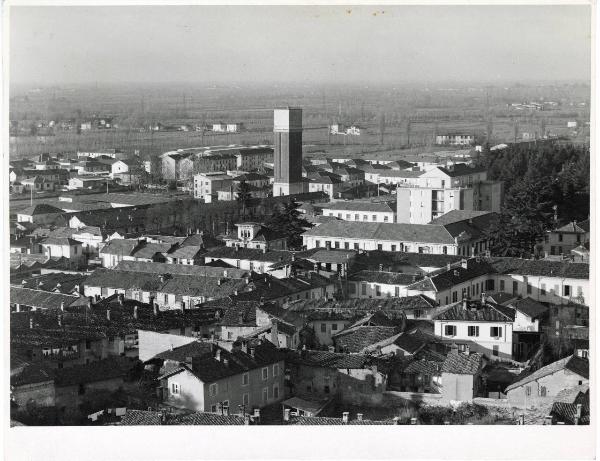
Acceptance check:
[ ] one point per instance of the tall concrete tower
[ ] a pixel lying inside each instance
(287, 129)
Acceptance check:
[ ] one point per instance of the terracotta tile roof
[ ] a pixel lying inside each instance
(120, 247)
(181, 353)
(41, 208)
(529, 307)
(423, 233)
(39, 298)
(459, 215)
(62, 282)
(180, 269)
(358, 338)
(571, 363)
(541, 267)
(326, 359)
(325, 421)
(148, 250)
(141, 418)
(476, 312)
(575, 227)
(357, 205)
(388, 278)
(390, 260)
(564, 407)
(208, 419)
(332, 256)
(186, 252)
(462, 364)
(62, 241)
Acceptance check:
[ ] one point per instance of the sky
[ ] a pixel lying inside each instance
(325, 44)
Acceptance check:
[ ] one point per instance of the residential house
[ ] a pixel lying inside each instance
(39, 214)
(208, 185)
(251, 376)
(177, 166)
(480, 327)
(57, 247)
(361, 211)
(539, 388)
(255, 235)
(461, 376)
(561, 241)
(379, 284)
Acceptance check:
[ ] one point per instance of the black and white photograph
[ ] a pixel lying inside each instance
(279, 215)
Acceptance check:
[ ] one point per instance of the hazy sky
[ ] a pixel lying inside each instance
(325, 44)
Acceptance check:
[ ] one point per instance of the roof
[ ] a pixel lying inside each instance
(388, 278)
(458, 215)
(571, 363)
(252, 254)
(391, 260)
(476, 312)
(312, 406)
(207, 368)
(120, 247)
(326, 421)
(461, 169)
(540, 267)
(445, 278)
(356, 205)
(574, 227)
(181, 269)
(425, 233)
(63, 282)
(181, 353)
(147, 250)
(529, 307)
(39, 298)
(410, 342)
(40, 208)
(61, 241)
(357, 338)
(141, 418)
(186, 252)
(208, 419)
(462, 364)
(100, 370)
(332, 256)
(326, 359)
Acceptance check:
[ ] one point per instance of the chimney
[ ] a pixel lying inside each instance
(237, 248)
(244, 347)
(62, 306)
(345, 416)
(413, 421)
(482, 297)
(155, 309)
(256, 415)
(108, 314)
(31, 323)
(89, 304)
(264, 249)
(218, 355)
(135, 312)
(226, 362)
(331, 349)
(578, 414)
(465, 304)
(121, 298)
(252, 351)
(286, 414)
(246, 420)
(274, 333)
(219, 282)
(463, 263)
(359, 416)
(247, 279)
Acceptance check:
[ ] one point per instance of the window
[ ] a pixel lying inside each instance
(374, 217)
(496, 332)
(397, 292)
(213, 408)
(275, 391)
(317, 243)
(323, 328)
(88, 344)
(265, 394)
(567, 290)
(245, 379)
(528, 391)
(501, 285)
(495, 350)
(454, 296)
(346, 245)
(265, 373)
(379, 246)
(543, 391)
(543, 289)
(246, 399)
(213, 389)
(560, 237)
(378, 290)
(393, 247)
(81, 389)
(334, 327)
(356, 217)
(276, 369)
(363, 288)
(445, 250)
(417, 313)
(174, 388)
(579, 291)
(515, 287)
(356, 246)
(365, 218)
(473, 331)
(528, 288)
(450, 330)
(385, 219)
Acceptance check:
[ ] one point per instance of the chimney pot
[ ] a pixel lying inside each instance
(135, 312)
(286, 414)
(252, 351)
(62, 306)
(465, 304)
(108, 314)
(359, 416)
(218, 355)
(345, 416)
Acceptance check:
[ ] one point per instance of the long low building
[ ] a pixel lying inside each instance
(416, 238)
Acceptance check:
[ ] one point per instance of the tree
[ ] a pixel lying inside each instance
(243, 197)
(286, 220)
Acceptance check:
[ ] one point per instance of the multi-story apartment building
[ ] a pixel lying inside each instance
(440, 190)
(361, 211)
(208, 185)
